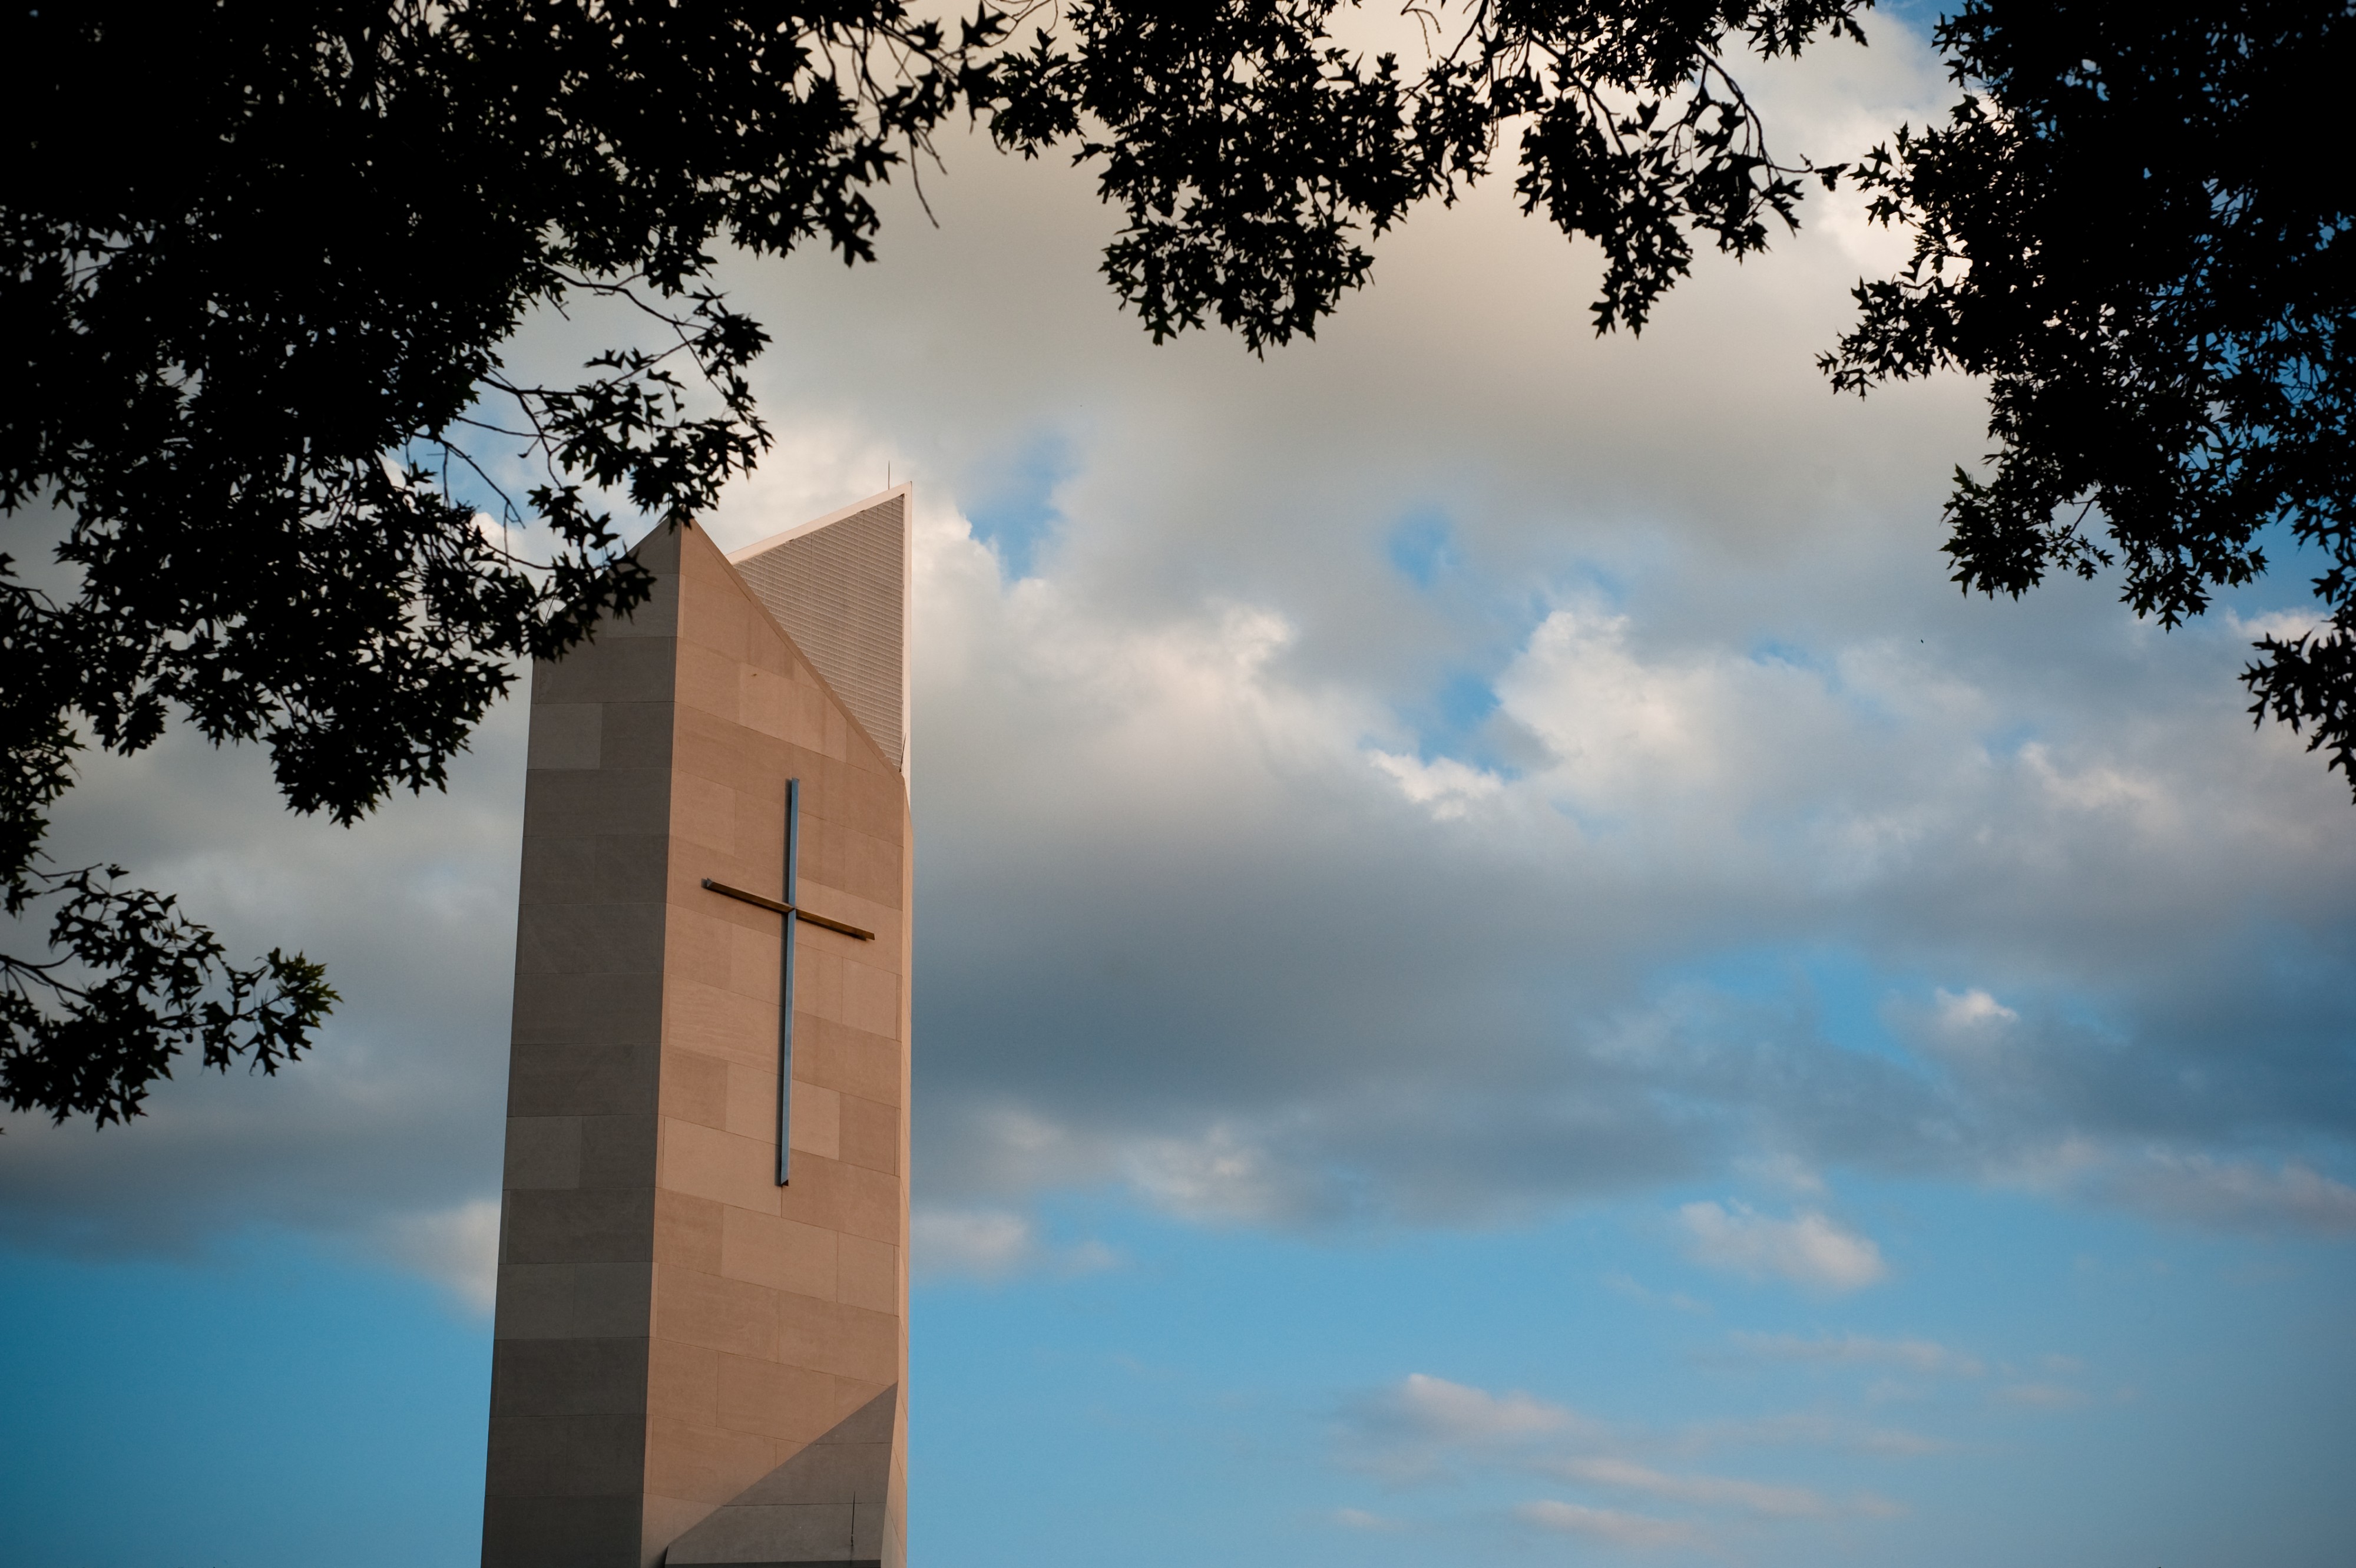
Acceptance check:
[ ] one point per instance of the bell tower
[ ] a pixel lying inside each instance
(701, 1349)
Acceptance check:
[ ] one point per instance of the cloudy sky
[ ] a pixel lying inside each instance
(1504, 968)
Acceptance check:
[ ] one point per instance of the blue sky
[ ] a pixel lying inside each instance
(1504, 968)
(1185, 1395)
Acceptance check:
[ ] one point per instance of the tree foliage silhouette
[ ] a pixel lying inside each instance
(263, 262)
(2132, 226)
(260, 262)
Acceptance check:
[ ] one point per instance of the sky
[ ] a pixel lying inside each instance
(1505, 968)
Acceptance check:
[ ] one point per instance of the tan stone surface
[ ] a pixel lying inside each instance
(673, 1326)
(830, 1500)
(859, 639)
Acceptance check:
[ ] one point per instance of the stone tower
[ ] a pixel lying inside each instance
(701, 1342)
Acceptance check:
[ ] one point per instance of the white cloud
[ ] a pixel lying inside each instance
(1215, 1177)
(1708, 1491)
(1359, 1518)
(1447, 787)
(1426, 1429)
(1807, 1249)
(1785, 1171)
(1973, 1009)
(1418, 1429)
(1624, 732)
(2285, 625)
(992, 1243)
(2201, 1189)
(983, 1242)
(458, 1248)
(1606, 1524)
(2145, 797)
(1634, 1290)
(1457, 1412)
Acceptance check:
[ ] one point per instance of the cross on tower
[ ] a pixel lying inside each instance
(794, 914)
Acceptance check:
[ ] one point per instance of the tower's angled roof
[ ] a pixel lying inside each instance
(839, 586)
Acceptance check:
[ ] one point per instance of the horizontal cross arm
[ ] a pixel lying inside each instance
(784, 908)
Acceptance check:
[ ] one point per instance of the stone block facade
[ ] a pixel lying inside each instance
(692, 1363)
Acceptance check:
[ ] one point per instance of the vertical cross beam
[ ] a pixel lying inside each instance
(785, 983)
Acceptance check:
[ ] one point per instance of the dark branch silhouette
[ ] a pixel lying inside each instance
(260, 265)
